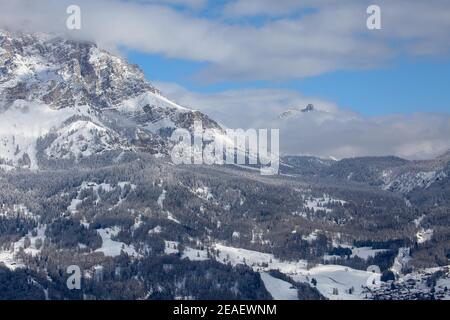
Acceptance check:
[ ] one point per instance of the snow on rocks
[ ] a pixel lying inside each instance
(82, 139)
(155, 230)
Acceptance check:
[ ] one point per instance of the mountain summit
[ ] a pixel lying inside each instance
(64, 99)
(295, 111)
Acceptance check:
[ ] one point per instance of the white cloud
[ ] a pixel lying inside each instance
(245, 8)
(191, 4)
(329, 131)
(330, 37)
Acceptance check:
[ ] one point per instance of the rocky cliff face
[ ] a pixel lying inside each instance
(80, 100)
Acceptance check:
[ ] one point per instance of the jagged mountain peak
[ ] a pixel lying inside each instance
(47, 81)
(63, 72)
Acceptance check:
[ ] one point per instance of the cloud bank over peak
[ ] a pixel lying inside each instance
(328, 130)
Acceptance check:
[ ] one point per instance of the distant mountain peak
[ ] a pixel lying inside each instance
(308, 108)
(297, 110)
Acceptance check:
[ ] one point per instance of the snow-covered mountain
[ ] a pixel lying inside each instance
(142, 225)
(72, 100)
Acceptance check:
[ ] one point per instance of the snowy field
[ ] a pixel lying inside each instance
(333, 281)
(111, 248)
(279, 289)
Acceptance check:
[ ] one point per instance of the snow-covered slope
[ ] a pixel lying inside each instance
(408, 181)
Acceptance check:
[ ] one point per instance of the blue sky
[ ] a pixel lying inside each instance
(406, 85)
(400, 69)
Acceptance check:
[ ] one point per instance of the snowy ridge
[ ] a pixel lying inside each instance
(409, 181)
(82, 139)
